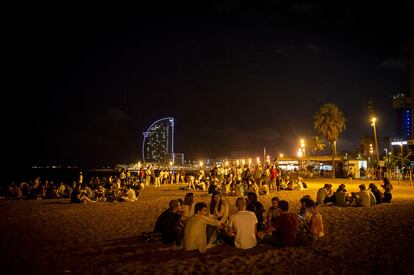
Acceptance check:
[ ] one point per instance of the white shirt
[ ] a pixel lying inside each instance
(244, 222)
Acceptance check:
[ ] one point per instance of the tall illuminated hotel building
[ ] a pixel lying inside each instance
(158, 141)
(403, 104)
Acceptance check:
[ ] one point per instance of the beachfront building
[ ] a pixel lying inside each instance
(159, 141)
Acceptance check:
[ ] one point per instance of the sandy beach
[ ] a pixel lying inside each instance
(56, 237)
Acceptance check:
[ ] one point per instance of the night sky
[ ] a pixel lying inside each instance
(86, 84)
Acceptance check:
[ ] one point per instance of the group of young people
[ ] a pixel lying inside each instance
(197, 226)
(366, 197)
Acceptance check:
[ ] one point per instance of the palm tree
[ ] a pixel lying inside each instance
(317, 144)
(330, 122)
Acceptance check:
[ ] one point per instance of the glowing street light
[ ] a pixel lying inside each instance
(201, 164)
(374, 119)
(281, 155)
(258, 160)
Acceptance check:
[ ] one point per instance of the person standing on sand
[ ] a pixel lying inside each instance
(195, 237)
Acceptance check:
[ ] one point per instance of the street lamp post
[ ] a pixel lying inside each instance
(374, 119)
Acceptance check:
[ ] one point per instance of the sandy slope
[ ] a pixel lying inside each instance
(53, 236)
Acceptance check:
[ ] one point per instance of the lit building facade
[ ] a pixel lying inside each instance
(158, 141)
(403, 116)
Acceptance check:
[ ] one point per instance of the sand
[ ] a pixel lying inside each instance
(56, 237)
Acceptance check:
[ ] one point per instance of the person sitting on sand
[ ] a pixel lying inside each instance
(78, 195)
(324, 194)
(168, 224)
(195, 237)
(283, 230)
(272, 212)
(263, 188)
(75, 196)
(219, 210)
(188, 207)
(129, 195)
(256, 207)
(85, 196)
(310, 222)
(387, 190)
(363, 198)
(341, 197)
(241, 231)
(377, 193)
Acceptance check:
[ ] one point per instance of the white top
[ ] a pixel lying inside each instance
(244, 222)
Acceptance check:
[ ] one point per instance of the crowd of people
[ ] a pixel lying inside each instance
(126, 185)
(122, 186)
(199, 226)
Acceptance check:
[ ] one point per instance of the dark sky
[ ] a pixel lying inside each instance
(234, 77)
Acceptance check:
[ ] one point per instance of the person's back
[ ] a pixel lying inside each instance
(340, 198)
(321, 195)
(244, 223)
(363, 198)
(284, 228)
(378, 195)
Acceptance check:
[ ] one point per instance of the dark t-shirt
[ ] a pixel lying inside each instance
(74, 197)
(169, 227)
(258, 209)
(159, 222)
(286, 229)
